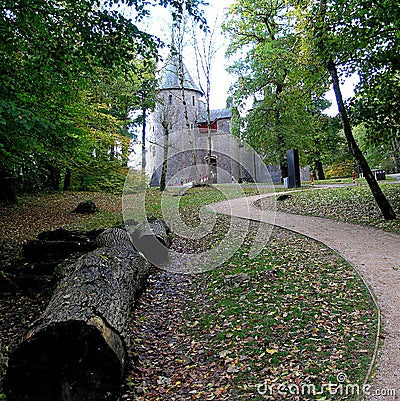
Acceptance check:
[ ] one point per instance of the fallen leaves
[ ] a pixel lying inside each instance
(353, 204)
(302, 316)
(35, 214)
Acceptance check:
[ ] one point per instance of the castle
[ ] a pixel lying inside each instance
(178, 131)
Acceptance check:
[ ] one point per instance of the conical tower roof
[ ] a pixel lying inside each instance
(170, 76)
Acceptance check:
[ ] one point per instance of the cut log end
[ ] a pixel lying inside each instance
(66, 361)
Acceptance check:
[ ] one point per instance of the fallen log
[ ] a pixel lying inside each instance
(59, 244)
(77, 350)
(151, 239)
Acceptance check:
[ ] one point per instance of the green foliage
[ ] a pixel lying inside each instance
(378, 151)
(71, 72)
(286, 48)
(340, 169)
(285, 89)
(376, 108)
(302, 45)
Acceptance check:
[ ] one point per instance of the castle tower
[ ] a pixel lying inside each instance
(176, 111)
(179, 125)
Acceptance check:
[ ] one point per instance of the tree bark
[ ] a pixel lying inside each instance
(77, 350)
(8, 193)
(54, 177)
(281, 138)
(383, 203)
(144, 111)
(67, 179)
(320, 170)
(284, 168)
(59, 244)
(181, 76)
(164, 169)
(396, 153)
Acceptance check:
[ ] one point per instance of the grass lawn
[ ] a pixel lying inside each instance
(301, 317)
(354, 204)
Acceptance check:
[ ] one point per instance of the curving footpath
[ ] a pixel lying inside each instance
(376, 256)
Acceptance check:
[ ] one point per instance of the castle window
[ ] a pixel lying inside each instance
(193, 101)
(170, 99)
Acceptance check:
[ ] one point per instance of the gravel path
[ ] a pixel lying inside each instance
(376, 256)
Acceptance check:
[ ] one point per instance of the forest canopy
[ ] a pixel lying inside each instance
(71, 72)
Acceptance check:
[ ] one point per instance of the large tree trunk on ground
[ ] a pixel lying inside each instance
(59, 244)
(77, 350)
(383, 203)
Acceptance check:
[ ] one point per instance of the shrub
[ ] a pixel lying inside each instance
(340, 169)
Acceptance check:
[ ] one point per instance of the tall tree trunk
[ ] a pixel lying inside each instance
(67, 179)
(281, 137)
(112, 152)
(284, 168)
(209, 153)
(319, 169)
(181, 75)
(144, 141)
(164, 169)
(396, 153)
(383, 203)
(54, 179)
(8, 193)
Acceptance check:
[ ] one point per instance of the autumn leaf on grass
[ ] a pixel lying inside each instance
(271, 351)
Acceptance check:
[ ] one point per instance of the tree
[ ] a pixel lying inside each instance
(326, 141)
(167, 116)
(333, 42)
(284, 93)
(205, 52)
(179, 31)
(146, 95)
(50, 56)
(379, 154)
(319, 40)
(377, 101)
(376, 107)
